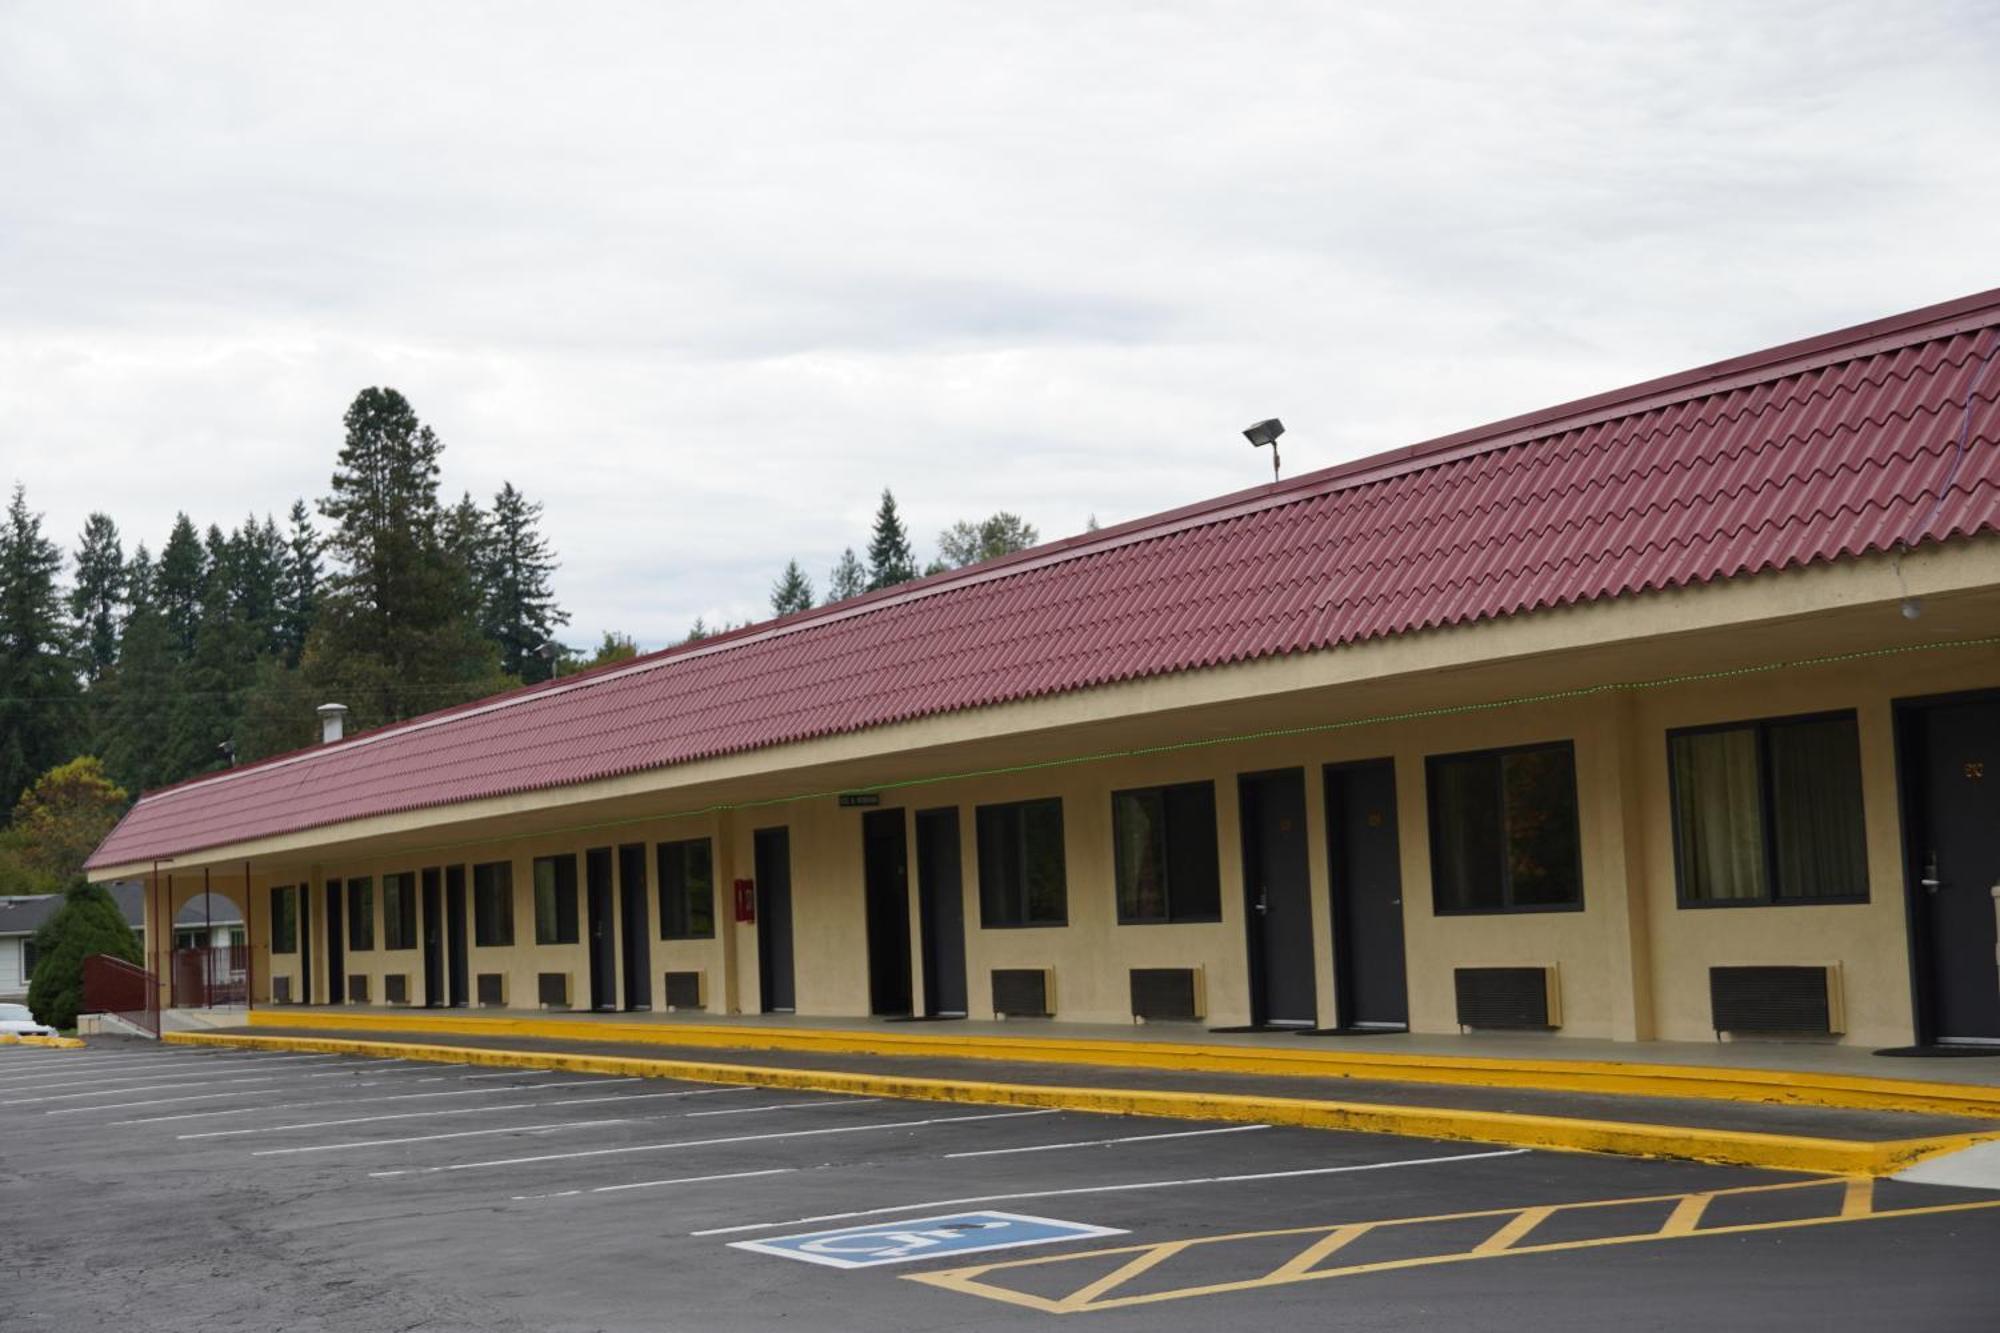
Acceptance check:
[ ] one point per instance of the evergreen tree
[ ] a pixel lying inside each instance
(276, 714)
(88, 922)
(298, 585)
(793, 592)
(966, 543)
(98, 594)
(397, 632)
(257, 556)
(143, 687)
(202, 716)
(848, 578)
(520, 605)
(178, 582)
(39, 717)
(890, 558)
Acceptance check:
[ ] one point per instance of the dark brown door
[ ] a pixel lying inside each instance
(602, 932)
(636, 926)
(941, 909)
(454, 936)
(1368, 966)
(886, 870)
(1277, 897)
(1952, 797)
(774, 921)
(434, 996)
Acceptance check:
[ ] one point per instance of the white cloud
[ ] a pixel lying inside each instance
(704, 278)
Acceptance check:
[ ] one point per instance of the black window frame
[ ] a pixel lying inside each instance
(563, 899)
(982, 816)
(1766, 813)
(1165, 826)
(360, 914)
(1498, 753)
(399, 910)
(284, 920)
(677, 900)
(499, 888)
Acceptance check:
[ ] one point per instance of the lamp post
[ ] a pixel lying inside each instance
(1263, 433)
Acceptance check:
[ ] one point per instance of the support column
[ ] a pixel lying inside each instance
(727, 868)
(1612, 801)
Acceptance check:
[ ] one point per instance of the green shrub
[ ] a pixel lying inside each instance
(87, 923)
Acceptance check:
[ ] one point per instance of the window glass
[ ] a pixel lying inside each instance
(555, 899)
(399, 911)
(1769, 811)
(1022, 879)
(687, 890)
(1165, 851)
(361, 914)
(493, 904)
(1504, 831)
(284, 920)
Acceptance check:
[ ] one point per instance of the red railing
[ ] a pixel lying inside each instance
(126, 990)
(205, 978)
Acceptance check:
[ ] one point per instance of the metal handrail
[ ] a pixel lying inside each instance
(111, 985)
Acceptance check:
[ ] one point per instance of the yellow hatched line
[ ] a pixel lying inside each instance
(1857, 1205)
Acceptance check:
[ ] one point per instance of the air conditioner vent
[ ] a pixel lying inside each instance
(685, 990)
(1506, 998)
(396, 988)
(1167, 994)
(281, 990)
(1024, 992)
(552, 989)
(1775, 999)
(357, 990)
(491, 988)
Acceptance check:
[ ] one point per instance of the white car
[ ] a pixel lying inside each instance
(16, 1020)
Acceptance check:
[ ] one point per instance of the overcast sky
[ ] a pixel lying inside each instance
(704, 278)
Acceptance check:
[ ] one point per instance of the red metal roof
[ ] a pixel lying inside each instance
(1833, 447)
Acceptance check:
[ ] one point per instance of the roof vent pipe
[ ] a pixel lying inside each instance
(332, 722)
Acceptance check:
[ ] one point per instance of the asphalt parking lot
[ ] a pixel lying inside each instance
(185, 1188)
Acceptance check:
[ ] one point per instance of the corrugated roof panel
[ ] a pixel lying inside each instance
(1820, 450)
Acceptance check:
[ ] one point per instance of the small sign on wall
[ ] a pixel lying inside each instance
(850, 799)
(746, 901)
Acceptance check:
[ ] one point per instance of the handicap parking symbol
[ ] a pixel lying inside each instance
(905, 1239)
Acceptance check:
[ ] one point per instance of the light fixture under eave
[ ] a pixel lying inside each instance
(1267, 432)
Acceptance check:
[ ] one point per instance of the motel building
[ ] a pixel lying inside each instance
(1667, 714)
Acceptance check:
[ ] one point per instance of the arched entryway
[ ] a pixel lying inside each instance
(211, 952)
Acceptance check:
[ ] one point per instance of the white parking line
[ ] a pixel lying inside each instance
(110, 1082)
(790, 1106)
(433, 1138)
(1099, 1143)
(650, 1184)
(706, 1143)
(523, 1073)
(1107, 1189)
(149, 1087)
(335, 1101)
(455, 1110)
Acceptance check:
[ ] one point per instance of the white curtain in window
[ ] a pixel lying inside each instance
(1719, 822)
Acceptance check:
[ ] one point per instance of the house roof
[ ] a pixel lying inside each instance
(1833, 447)
(212, 909)
(23, 914)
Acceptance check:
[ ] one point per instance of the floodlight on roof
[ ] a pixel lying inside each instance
(1267, 432)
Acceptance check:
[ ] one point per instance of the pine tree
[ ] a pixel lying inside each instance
(521, 607)
(257, 557)
(397, 632)
(178, 581)
(98, 594)
(848, 578)
(890, 558)
(298, 585)
(39, 715)
(793, 592)
(143, 687)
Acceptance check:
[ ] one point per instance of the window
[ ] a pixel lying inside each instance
(1163, 840)
(285, 920)
(399, 911)
(687, 890)
(1504, 831)
(493, 904)
(29, 957)
(1769, 812)
(1021, 876)
(555, 899)
(360, 914)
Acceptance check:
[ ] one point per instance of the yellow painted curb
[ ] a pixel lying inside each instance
(1629, 1078)
(53, 1043)
(1733, 1147)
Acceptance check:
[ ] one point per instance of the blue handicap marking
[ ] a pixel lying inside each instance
(869, 1244)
